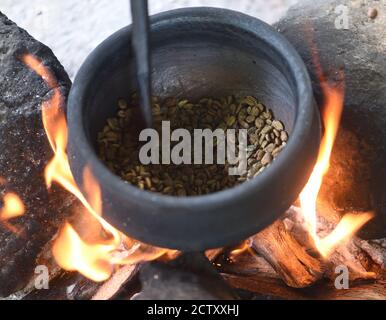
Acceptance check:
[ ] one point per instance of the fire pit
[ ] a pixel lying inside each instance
(198, 53)
(311, 251)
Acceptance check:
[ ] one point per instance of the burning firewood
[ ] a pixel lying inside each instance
(274, 273)
(288, 248)
(118, 279)
(290, 260)
(125, 274)
(350, 254)
(262, 287)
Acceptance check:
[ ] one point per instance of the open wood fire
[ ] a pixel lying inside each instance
(300, 249)
(307, 248)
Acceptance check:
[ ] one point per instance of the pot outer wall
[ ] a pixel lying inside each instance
(189, 223)
(357, 176)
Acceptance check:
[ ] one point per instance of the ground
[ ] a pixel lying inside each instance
(72, 28)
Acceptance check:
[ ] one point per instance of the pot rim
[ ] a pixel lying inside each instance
(302, 126)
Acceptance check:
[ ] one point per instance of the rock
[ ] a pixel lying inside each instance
(372, 13)
(24, 152)
(189, 277)
(357, 177)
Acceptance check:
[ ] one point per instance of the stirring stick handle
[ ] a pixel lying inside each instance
(140, 43)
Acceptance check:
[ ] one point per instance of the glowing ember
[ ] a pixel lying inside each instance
(334, 99)
(245, 246)
(94, 260)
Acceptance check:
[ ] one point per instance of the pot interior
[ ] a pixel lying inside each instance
(193, 62)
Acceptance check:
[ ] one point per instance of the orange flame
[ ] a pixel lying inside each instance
(94, 260)
(331, 117)
(343, 232)
(13, 207)
(245, 246)
(91, 260)
(334, 100)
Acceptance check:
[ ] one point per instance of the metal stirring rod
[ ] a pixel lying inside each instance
(140, 44)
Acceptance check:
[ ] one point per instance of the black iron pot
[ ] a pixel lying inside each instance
(196, 53)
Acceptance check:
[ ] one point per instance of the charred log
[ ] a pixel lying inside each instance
(254, 278)
(73, 286)
(66, 286)
(262, 288)
(273, 267)
(351, 253)
(112, 287)
(289, 259)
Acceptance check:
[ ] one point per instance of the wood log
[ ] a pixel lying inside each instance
(212, 254)
(257, 287)
(286, 252)
(256, 279)
(364, 259)
(73, 286)
(112, 286)
(289, 259)
(376, 249)
(65, 286)
(247, 263)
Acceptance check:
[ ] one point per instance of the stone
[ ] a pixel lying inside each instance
(24, 152)
(357, 177)
(189, 277)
